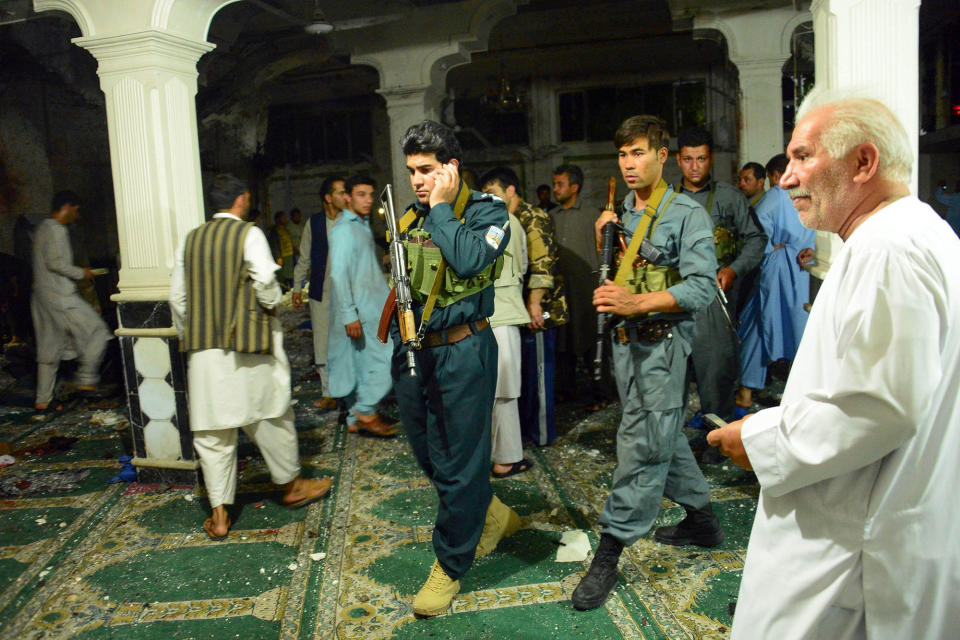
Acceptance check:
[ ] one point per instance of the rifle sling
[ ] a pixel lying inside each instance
(649, 215)
(463, 197)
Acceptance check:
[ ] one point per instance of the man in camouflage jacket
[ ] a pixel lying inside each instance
(547, 305)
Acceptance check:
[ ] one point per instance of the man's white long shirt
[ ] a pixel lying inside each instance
(858, 465)
(229, 389)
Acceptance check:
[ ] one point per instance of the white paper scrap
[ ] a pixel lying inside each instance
(574, 546)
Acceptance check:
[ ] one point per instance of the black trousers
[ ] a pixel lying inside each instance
(446, 411)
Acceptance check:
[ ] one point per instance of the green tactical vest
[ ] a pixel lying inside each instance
(650, 278)
(424, 258)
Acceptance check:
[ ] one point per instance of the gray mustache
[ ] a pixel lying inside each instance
(799, 193)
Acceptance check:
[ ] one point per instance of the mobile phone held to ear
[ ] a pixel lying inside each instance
(713, 421)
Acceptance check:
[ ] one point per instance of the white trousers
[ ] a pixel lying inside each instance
(277, 440)
(506, 442)
(320, 321)
(85, 333)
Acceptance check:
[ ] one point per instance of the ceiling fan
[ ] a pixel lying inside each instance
(318, 23)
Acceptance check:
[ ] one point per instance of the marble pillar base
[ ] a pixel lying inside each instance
(156, 381)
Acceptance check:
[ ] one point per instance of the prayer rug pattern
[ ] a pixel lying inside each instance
(82, 558)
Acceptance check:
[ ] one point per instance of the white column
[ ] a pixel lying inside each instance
(406, 106)
(871, 46)
(761, 107)
(149, 79)
(758, 43)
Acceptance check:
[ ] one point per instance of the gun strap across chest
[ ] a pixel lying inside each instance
(650, 215)
(407, 219)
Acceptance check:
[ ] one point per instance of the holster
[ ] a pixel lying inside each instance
(389, 309)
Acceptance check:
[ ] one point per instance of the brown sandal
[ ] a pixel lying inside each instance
(372, 426)
(313, 498)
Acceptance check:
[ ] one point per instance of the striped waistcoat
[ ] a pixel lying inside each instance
(222, 307)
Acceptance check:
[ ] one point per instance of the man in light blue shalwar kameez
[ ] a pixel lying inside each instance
(773, 319)
(359, 364)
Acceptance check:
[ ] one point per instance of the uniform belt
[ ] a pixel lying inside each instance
(453, 334)
(650, 332)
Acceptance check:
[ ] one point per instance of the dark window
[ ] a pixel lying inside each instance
(484, 125)
(593, 115)
(318, 133)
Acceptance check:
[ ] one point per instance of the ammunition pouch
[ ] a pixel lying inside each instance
(726, 245)
(650, 278)
(423, 260)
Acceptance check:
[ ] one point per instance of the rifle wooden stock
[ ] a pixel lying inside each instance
(383, 330)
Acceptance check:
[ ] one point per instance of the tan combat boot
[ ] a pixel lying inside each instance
(501, 522)
(436, 593)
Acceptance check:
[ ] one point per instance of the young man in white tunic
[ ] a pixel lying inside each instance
(509, 312)
(66, 326)
(855, 534)
(235, 381)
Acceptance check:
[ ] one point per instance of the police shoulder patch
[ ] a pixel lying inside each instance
(494, 236)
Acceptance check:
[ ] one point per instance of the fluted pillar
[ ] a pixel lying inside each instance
(150, 83)
(147, 53)
(758, 43)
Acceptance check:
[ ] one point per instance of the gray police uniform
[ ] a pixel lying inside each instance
(653, 455)
(447, 407)
(715, 361)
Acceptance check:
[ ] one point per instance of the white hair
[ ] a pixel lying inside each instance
(855, 119)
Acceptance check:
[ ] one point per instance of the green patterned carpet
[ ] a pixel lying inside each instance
(81, 558)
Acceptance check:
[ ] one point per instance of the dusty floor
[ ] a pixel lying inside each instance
(81, 557)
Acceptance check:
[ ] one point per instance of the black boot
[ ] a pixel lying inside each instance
(700, 527)
(601, 578)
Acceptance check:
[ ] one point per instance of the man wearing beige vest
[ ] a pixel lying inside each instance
(223, 295)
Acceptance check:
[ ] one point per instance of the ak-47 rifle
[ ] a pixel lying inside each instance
(606, 264)
(400, 298)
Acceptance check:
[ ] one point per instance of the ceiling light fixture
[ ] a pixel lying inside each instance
(318, 23)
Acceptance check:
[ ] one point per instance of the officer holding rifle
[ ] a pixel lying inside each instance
(452, 240)
(652, 303)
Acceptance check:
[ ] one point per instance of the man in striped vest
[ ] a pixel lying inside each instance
(223, 295)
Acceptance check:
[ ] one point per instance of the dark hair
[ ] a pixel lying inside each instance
(777, 163)
(353, 181)
(695, 137)
(276, 216)
(432, 137)
(757, 169)
(543, 187)
(224, 190)
(505, 176)
(652, 128)
(327, 186)
(61, 198)
(294, 210)
(573, 171)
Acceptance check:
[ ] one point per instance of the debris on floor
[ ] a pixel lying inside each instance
(574, 546)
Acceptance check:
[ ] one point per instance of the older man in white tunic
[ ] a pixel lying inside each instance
(66, 326)
(238, 374)
(856, 530)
